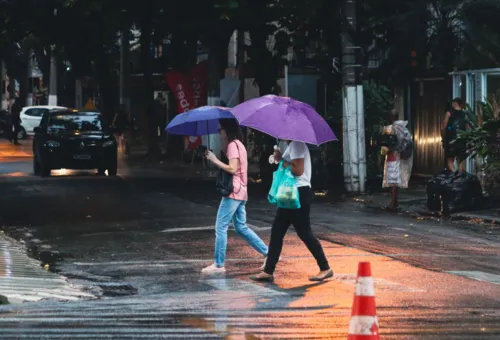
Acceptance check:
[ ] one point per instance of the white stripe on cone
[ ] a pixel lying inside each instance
(363, 325)
(364, 286)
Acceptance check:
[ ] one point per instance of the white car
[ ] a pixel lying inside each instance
(32, 115)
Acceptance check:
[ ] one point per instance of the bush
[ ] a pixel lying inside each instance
(482, 142)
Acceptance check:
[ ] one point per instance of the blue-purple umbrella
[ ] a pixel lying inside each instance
(284, 118)
(198, 122)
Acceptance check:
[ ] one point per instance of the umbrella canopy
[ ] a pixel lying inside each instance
(284, 118)
(198, 122)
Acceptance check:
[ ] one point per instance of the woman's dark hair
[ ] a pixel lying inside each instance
(231, 127)
(459, 101)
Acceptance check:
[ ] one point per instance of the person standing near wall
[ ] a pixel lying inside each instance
(454, 121)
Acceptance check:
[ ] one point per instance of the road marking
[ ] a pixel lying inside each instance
(211, 227)
(380, 284)
(172, 263)
(236, 285)
(477, 275)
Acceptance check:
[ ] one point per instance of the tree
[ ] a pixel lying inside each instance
(482, 35)
(444, 33)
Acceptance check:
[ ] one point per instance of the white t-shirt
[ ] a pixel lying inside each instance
(297, 150)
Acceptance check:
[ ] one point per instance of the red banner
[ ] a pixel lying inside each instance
(190, 92)
(182, 89)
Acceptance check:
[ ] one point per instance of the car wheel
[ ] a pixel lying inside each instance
(45, 172)
(21, 134)
(37, 168)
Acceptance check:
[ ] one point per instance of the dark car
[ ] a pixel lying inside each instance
(69, 139)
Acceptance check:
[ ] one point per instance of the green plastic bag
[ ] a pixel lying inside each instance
(284, 192)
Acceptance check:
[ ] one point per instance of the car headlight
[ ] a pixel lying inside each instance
(108, 143)
(53, 144)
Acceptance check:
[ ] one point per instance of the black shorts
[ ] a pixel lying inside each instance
(451, 152)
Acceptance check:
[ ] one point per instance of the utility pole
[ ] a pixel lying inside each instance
(29, 79)
(124, 69)
(353, 106)
(3, 86)
(53, 79)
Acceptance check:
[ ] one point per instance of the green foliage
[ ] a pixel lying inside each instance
(483, 142)
(378, 100)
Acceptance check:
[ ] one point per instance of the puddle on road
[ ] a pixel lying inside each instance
(22, 279)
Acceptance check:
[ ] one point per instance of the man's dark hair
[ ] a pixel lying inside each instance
(459, 101)
(231, 127)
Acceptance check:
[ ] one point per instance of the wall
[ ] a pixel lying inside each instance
(429, 104)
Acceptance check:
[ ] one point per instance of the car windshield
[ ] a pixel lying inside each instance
(76, 122)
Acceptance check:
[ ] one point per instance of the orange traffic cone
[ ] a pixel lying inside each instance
(364, 323)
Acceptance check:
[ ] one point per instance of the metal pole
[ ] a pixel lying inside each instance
(53, 79)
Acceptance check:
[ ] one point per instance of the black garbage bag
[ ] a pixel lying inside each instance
(463, 192)
(434, 188)
(451, 192)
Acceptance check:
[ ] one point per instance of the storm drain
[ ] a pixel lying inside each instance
(22, 279)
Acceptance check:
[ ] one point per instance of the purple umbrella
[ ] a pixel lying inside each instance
(284, 118)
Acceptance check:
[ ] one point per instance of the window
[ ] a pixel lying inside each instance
(75, 122)
(492, 85)
(35, 112)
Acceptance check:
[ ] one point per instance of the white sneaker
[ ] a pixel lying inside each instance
(264, 265)
(213, 269)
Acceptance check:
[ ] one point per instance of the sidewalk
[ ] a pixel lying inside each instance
(413, 201)
(12, 152)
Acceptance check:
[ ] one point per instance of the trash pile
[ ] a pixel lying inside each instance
(451, 192)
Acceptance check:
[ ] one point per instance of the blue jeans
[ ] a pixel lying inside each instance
(234, 210)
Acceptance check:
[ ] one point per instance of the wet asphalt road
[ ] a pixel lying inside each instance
(134, 246)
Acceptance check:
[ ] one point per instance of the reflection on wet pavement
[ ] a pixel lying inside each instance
(22, 279)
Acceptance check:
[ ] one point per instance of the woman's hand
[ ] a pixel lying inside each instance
(277, 156)
(210, 156)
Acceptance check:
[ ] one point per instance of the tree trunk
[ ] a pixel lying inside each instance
(264, 68)
(152, 126)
